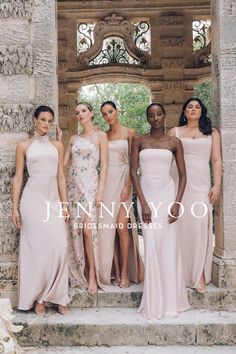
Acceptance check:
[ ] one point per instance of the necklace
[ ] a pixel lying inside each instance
(41, 138)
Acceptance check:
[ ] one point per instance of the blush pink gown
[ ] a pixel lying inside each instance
(42, 266)
(164, 287)
(196, 234)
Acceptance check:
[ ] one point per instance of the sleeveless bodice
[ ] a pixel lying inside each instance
(42, 159)
(118, 152)
(85, 155)
(155, 162)
(197, 154)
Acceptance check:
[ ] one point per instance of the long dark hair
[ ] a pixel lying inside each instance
(205, 125)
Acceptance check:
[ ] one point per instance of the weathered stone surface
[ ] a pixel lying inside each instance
(14, 89)
(19, 8)
(14, 32)
(44, 11)
(92, 327)
(16, 60)
(16, 118)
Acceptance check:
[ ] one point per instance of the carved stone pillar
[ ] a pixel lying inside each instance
(224, 107)
(27, 79)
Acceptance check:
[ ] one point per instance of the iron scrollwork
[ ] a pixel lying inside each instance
(113, 52)
(201, 44)
(142, 35)
(85, 36)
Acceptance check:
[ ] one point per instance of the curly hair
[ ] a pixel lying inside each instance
(205, 125)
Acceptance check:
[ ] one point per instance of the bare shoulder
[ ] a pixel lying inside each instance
(175, 141)
(131, 132)
(102, 135)
(24, 145)
(139, 137)
(215, 132)
(171, 132)
(71, 139)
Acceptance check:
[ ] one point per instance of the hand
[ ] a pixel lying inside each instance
(58, 133)
(66, 215)
(175, 212)
(96, 128)
(98, 199)
(124, 195)
(146, 214)
(16, 219)
(214, 194)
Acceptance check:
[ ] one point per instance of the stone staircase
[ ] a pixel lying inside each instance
(108, 322)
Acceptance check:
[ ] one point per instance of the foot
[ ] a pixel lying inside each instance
(116, 282)
(63, 310)
(200, 288)
(40, 309)
(124, 283)
(92, 286)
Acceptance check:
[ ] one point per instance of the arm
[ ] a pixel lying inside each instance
(216, 161)
(146, 212)
(128, 184)
(17, 184)
(103, 146)
(179, 158)
(68, 154)
(61, 179)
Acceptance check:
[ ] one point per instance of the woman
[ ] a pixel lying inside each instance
(118, 189)
(164, 288)
(201, 143)
(85, 193)
(42, 267)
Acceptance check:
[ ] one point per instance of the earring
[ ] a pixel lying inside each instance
(185, 119)
(165, 125)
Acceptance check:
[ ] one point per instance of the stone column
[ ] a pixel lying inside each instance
(224, 108)
(27, 79)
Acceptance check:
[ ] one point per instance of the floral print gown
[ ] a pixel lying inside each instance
(82, 189)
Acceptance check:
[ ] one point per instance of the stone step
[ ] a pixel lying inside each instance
(213, 299)
(124, 326)
(222, 349)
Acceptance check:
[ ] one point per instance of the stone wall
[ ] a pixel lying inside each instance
(28, 42)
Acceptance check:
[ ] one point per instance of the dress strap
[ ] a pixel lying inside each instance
(177, 132)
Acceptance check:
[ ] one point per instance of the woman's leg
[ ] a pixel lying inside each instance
(124, 237)
(116, 261)
(88, 243)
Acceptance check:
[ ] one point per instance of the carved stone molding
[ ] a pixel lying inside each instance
(173, 85)
(16, 9)
(172, 20)
(114, 25)
(16, 60)
(171, 42)
(172, 63)
(229, 7)
(16, 118)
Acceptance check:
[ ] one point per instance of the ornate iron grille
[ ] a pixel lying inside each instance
(85, 36)
(113, 52)
(200, 38)
(142, 35)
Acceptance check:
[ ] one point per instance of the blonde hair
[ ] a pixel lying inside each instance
(88, 105)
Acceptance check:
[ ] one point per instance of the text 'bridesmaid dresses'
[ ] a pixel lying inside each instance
(164, 287)
(196, 233)
(43, 267)
(118, 172)
(82, 188)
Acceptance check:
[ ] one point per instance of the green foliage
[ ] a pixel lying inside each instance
(203, 91)
(131, 99)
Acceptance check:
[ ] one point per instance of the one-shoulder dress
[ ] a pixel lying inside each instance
(118, 171)
(82, 189)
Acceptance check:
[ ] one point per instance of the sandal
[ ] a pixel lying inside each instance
(116, 282)
(200, 288)
(63, 310)
(39, 309)
(124, 283)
